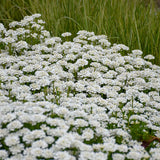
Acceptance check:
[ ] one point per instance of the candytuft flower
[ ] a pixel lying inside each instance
(80, 99)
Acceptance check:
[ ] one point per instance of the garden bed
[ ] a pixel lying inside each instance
(69, 98)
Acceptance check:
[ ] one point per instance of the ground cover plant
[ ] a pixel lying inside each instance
(67, 98)
(134, 23)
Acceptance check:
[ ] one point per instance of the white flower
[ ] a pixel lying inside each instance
(37, 15)
(2, 28)
(39, 96)
(48, 153)
(24, 96)
(104, 42)
(92, 89)
(118, 47)
(13, 24)
(124, 47)
(155, 156)
(87, 134)
(78, 113)
(38, 134)
(100, 156)
(70, 84)
(62, 111)
(22, 63)
(95, 64)
(11, 140)
(110, 147)
(3, 132)
(8, 117)
(16, 149)
(21, 45)
(9, 40)
(131, 93)
(34, 35)
(49, 139)
(93, 38)
(118, 156)
(134, 155)
(45, 49)
(24, 117)
(3, 154)
(110, 74)
(106, 61)
(79, 87)
(28, 138)
(129, 67)
(43, 82)
(22, 31)
(149, 57)
(138, 62)
(144, 98)
(41, 74)
(122, 148)
(28, 156)
(37, 26)
(38, 152)
(45, 33)
(96, 75)
(63, 155)
(14, 125)
(66, 34)
(35, 86)
(81, 123)
(64, 141)
(137, 52)
(98, 147)
(85, 33)
(71, 57)
(57, 132)
(86, 155)
(101, 131)
(111, 93)
(155, 153)
(37, 118)
(95, 123)
(120, 61)
(81, 62)
(41, 21)
(29, 68)
(54, 122)
(122, 133)
(24, 79)
(40, 144)
(50, 41)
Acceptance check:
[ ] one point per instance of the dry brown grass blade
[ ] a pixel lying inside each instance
(146, 143)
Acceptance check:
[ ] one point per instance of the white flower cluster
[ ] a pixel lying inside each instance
(23, 35)
(68, 100)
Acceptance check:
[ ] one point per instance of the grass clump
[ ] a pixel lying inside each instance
(134, 23)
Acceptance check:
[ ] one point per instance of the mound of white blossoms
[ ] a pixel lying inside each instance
(79, 99)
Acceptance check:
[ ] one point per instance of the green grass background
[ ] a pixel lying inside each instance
(135, 23)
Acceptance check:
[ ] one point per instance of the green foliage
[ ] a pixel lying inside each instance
(131, 22)
(119, 139)
(141, 133)
(95, 140)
